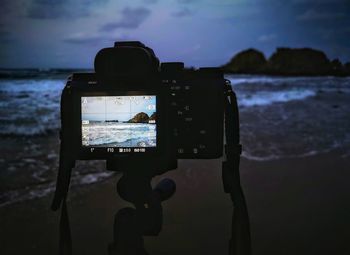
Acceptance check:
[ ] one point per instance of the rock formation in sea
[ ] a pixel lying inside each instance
(247, 61)
(140, 117)
(302, 61)
(153, 116)
(286, 61)
(347, 67)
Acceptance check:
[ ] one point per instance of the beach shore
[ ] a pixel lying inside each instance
(294, 172)
(296, 206)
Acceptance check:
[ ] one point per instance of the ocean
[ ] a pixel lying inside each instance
(111, 134)
(281, 117)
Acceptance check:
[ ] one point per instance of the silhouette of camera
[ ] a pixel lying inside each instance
(135, 110)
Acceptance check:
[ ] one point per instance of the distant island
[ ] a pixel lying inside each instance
(286, 61)
(140, 117)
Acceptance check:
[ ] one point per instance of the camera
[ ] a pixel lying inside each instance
(141, 116)
(135, 110)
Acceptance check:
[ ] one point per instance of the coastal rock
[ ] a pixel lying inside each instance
(337, 67)
(299, 61)
(336, 64)
(141, 117)
(347, 68)
(286, 61)
(153, 116)
(248, 61)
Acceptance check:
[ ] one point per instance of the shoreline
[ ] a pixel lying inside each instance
(30, 166)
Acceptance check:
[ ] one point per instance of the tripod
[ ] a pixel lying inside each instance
(131, 224)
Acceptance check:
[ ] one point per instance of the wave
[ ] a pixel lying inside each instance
(317, 81)
(44, 189)
(119, 134)
(36, 73)
(119, 125)
(29, 107)
(272, 157)
(268, 97)
(255, 90)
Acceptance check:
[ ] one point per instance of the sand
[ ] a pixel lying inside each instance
(296, 206)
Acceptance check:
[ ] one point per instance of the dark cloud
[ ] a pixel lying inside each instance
(11, 9)
(5, 6)
(54, 9)
(318, 2)
(313, 14)
(5, 36)
(46, 9)
(182, 13)
(131, 18)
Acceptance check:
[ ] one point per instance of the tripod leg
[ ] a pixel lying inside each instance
(127, 238)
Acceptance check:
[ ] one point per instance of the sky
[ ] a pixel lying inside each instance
(104, 108)
(69, 33)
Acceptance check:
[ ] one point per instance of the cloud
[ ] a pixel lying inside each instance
(131, 18)
(311, 15)
(182, 13)
(93, 40)
(6, 37)
(5, 6)
(83, 39)
(267, 38)
(339, 34)
(150, 1)
(13, 9)
(186, 1)
(318, 1)
(46, 9)
(55, 9)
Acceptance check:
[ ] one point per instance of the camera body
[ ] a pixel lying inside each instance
(141, 116)
(135, 112)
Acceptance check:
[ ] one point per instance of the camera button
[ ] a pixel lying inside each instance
(180, 150)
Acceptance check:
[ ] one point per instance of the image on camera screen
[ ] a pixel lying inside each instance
(119, 121)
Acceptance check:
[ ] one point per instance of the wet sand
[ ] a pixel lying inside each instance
(296, 206)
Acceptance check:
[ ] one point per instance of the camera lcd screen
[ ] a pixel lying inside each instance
(124, 122)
